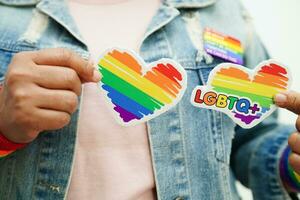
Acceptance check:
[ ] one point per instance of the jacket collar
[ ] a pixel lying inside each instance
(58, 10)
(169, 10)
(19, 2)
(175, 3)
(190, 3)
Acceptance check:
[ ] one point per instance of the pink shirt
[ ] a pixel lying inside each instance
(111, 162)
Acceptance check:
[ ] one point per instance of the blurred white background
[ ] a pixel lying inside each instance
(278, 24)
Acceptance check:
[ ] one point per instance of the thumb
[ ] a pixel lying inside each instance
(289, 100)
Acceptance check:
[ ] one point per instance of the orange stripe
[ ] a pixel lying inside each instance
(172, 82)
(163, 82)
(268, 79)
(261, 80)
(127, 60)
(233, 41)
(227, 38)
(234, 73)
(5, 153)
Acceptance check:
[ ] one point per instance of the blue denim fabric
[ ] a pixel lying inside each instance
(190, 146)
(257, 163)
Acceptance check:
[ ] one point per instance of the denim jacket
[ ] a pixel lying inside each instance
(190, 147)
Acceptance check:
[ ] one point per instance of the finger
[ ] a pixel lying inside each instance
(289, 100)
(59, 100)
(298, 123)
(53, 77)
(51, 119)
(67, 58)
(294, 161)
(294, 142)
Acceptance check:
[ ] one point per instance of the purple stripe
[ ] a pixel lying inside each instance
(124, 114)
(226, 55)
(247, 119)
(286, 173)
(282, 170)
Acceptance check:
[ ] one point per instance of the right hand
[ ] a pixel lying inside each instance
(40, 92)
(291, 100)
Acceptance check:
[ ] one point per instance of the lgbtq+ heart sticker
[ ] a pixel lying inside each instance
(136, 91)
(245, 95)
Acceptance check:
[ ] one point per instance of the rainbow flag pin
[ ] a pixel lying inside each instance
(223, 46)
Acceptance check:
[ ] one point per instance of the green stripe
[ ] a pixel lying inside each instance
(263, 101)
(292, 175)
(129, 90)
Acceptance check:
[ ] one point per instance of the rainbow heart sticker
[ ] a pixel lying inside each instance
(136, 91)
(244, 95)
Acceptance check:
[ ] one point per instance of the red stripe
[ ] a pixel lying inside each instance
(233, 40)
(274, 69)
(169, 71)
(7, 145)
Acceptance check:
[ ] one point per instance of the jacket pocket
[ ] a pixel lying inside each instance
(6, 54)
(222, 127)
(5, 58)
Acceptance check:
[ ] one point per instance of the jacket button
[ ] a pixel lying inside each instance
(179, 198)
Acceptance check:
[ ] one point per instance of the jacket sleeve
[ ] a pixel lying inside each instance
(256, 152)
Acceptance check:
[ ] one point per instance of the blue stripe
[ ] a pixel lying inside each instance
(126, 103)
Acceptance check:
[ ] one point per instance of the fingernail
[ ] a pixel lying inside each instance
(97, 76)
(90, 68)
(280, 98)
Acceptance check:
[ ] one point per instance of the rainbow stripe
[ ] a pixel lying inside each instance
(288, 175)
(223, 46)
(4, 153)
(133, 94)
(268, 81)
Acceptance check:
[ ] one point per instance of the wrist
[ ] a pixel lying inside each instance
(8, 141)
(289, 178)
(7, 146)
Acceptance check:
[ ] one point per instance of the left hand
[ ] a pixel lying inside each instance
(291, 101)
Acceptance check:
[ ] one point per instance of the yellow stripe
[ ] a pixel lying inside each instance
(245, 86)
(245, 82)
(235, 48)
(220, 37)
(135, 79)
(297, 175)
